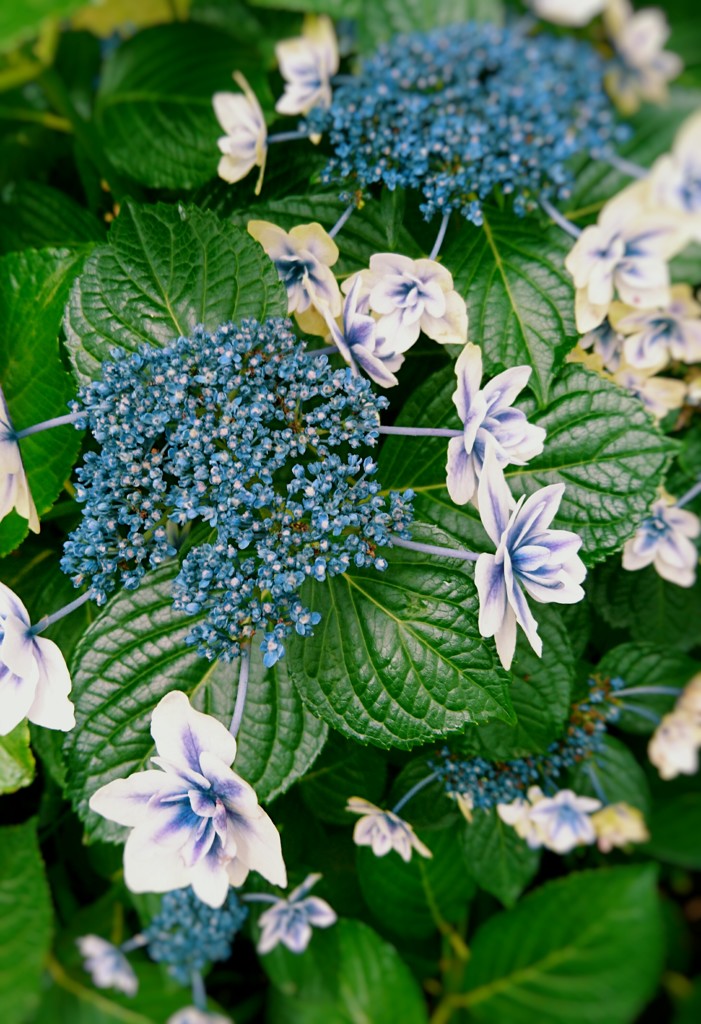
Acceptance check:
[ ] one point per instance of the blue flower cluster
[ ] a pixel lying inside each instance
(488, 783)
(466, 111)
(246, 433)
(187, 934)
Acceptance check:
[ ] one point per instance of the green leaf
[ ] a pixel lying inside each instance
(130, 657)
(166, 269)
(21, 21)
(366, 232)
(397, 657)
(540, 693)
(17, 765)
(33, 290)
(520, 299)
(154, 106)
(640, 664)
(343, 770)
(499, 861)
(586, 948)
(347, 975)
(36, 216)
(618, 776)
(675, 829)
(414, 899)
(25, 921)
(651, 608)
(600, 443)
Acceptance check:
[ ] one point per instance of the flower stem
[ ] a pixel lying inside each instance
(56, 421)
(341, 221)
(48, 620)
(413, 791)
(134, 943)
(633, 170)
(642, 712)
(667, 691)
(690, 495)
(242, 689)
(434, 549)
(559, 219)
(328, 350)
(259, 897)
(422, 431)
(199, 993)
(596, 783)
(440, 236)
(287, 137)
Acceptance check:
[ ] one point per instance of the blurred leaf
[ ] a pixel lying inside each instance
(34, 286)
(17, 765)
(20, 21)
(499, 861)
(618, 776)
(344, 769)
(37, 216)
(675, 829)
(25, 921)
(641, 664)
(582, 949)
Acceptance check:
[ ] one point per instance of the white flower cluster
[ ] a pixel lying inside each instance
(565, 821)
(665, 540)
(626, 254)
(674, 746)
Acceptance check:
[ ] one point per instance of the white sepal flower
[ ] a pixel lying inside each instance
(411, 296)
(488, 416)
(245, 144)
(107, 965)
(291, 921)
(674, 184)
(659, 395)
(359, 342)
(574, 13)
(529, 555)
(517, 814)
(14, 489)
(690, 699)
(664, 540)
(193, 1015)
(626, 252)
(303, 258)
(384, 831)
(308, 63)
(674, 745)
(195, 822)
(564, 821)
(654, 337)
(644, 68)
(34, 678)
(605, 342)
(618, 825)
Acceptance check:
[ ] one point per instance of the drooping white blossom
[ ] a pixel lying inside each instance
(674, 184)
(659, 395)
(643, 68)
(195, 821)
(290, 921)
(410, 296)
(665, 540)
(517, 814)
(574, 13)
(605, 342)
(107, 965)
(359, 342)
(653, 337)
(617, 825)
(245, 144)
(14, 489)
(488, 416)
(308, 63)
(674, 745)
(303, 258)
(530, 557)
(564, 821)
(34, 678)
(625, 252)
(384, 831)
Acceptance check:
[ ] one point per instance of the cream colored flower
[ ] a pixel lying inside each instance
(303, 258)
(644, 67)
(245, 144)
(654, 337)
(674, 746)
(659, 395)
(308, 63)
(384, 831)
(617, 825)
(674, 184)
(574, 13)
(14, 489)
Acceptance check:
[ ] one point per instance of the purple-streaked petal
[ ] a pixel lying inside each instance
(502, 390)
(149, 867)
(235, 792)
(319, 913)
(181, 734)
(460, 472)
(18, 651)
(536, 514)
(52, 708)
(126, 801)
(16, 698)
(491, 589)
(468, 370)
(210, 880)
(494, 496)
(258, 846)
(505, 639)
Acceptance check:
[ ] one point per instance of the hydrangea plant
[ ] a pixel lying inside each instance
(350, 483)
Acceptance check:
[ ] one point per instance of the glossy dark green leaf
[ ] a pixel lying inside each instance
(37, 216)
(165, 270)
(644, 665)
(499, 861)
(613, 775)
(675, 828)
